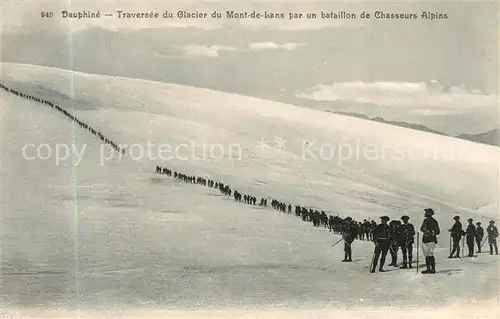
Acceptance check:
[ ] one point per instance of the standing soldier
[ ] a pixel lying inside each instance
(361, 231)
(430, 230)
(381, 239)
(349, 233)
(408, 234)
(470, 236)
(373, 225)
(366, 227)
(492, 237)
(395, 239)
(456, 234)
(479, 236)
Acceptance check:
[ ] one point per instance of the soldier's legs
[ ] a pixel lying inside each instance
(396, 250)
(384, 246)
(394, 254)
(496, 247)
(478, 243)
(376, 256)
(428, 250)
(409, 247)
(385, 249)
(346, 251)
(405, 255)
(456, 246)
(349, 253)
(470, 246)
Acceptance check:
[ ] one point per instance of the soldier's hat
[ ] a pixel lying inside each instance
(429, 211)
(385, 218)
(456, 217)
(492, 221)
(478, 223)
(404, 217)
(470, 220)
(348, 218)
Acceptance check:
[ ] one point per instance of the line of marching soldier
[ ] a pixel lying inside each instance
(69, 115)
(388, 237)
(357, 230)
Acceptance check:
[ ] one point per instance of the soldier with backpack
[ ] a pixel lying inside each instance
(381, 239)
(479, 236)
(456, 232)
(492, 237)
(395, 241)
(408, 236)
(470, 236)
(349, 232)
(430, 230)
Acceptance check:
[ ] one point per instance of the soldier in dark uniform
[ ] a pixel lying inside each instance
(470, 236)
(408, 234)
(366, 228)
(430, 230)
(349, 233)
(373, 225)
(331, 221)
(479, 236)
(361, 231)
(381, 239)
(394, 240)
(456, 232)
(492, 237)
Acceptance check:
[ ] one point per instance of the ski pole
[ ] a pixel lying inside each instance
(373, 258)
(463, 245)
(418, 240)
(450, 246)
(338, 242)
(391, 249)
(484, 242)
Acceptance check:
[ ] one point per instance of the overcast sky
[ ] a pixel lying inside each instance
(427, 68)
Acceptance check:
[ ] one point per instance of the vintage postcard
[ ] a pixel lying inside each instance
(235, 159)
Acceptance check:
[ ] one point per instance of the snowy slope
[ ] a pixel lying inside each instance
(462, 175)
(102, 236)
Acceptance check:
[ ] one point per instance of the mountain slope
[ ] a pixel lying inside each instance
(490, 137)
(108, 233)
(415, 166)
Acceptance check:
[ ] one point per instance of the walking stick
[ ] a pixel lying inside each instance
(463, 245)
(338, 242)
(483, 242)
(450, 246)
(418, 240)
(373, 259)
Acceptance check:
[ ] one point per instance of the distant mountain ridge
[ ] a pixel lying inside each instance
(491, 137)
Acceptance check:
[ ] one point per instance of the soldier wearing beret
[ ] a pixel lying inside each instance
(456, 233)
(382, 241)
(479, 236)
(470, 236)
(349, 234)
(492, 237)
(408, 234)
(430, 230)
